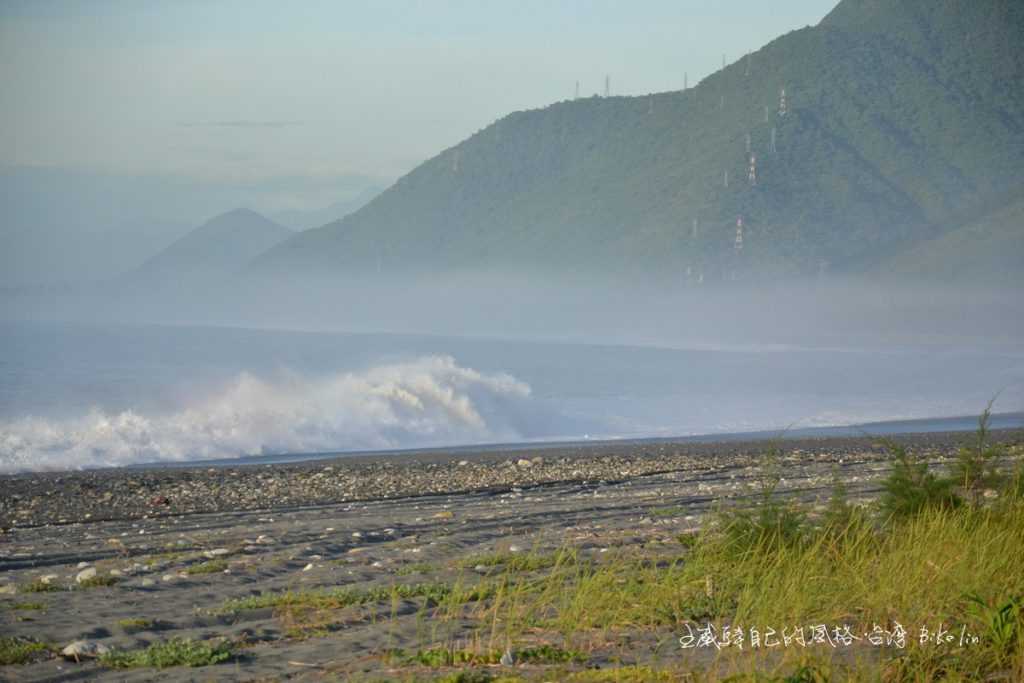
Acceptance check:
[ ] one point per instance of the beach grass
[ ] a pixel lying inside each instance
(924, 585)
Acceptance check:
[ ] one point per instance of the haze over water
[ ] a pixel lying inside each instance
(74, 395)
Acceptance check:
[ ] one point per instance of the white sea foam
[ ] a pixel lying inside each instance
(426, 402)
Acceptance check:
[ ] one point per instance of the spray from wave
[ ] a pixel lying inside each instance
(431, 401)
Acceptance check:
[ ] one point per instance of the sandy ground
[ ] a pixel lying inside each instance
(590, 499)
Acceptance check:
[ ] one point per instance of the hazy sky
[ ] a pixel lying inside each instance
(233, 90)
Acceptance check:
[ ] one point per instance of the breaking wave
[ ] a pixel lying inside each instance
(431, 401)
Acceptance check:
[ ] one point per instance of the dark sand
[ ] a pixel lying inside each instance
(361, 522)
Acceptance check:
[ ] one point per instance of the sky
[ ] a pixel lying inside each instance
(236, 91)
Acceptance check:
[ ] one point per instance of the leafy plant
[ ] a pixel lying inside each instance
(1001, 621)
(175, 652)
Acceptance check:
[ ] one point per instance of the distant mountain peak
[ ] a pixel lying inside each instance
(215, 249)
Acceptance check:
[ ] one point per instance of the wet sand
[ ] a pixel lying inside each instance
(362, 523)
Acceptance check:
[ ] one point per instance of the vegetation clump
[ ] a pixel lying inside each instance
(344, 597)
(175, 652)
(975, 462)
(38, 586)
(519, 562)
(27, 606)
(18, 651)
(136, 624)
(210, 567)
(918, 556)
(911, 488)
(98, 582)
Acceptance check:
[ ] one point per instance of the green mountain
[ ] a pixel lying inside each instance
(900, 120)
(989, 250)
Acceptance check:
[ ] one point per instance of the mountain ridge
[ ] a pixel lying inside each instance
(887, 128)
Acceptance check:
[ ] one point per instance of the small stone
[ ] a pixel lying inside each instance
(85, 574)
(990, 493)
(83, 565)
(48, 579)
(167, 578)
(480, 569)
(308, 567)
(216, 552)
(444, 514)
(357, 534)
(84, 649)
(148, 582)
(265, 540)
(523, 462)
(8, 589)
(514, 549)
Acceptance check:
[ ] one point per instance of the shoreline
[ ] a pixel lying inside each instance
(60, 498)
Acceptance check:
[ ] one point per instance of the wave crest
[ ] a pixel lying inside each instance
(430, 401)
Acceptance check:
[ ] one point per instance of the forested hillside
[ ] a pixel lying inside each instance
(888, 125)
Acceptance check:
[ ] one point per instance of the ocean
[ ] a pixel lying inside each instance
(77, 396)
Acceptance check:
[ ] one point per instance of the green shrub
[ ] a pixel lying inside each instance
(770, 523)
(839, 513)
(910, 488)
(975, 463)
